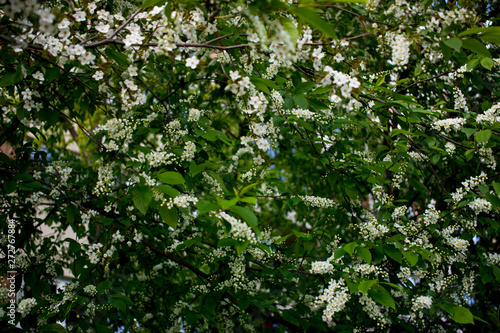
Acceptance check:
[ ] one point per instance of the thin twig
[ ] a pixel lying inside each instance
(125, 24)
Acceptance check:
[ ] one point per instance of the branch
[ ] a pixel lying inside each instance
(356, 14)
(109, 41)
(125, 23)
(177, 260)
(428, 79)
(348, 38)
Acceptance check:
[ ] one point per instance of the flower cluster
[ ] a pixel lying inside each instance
(448, 124)
(400, 48)
(335, 296)
(341, 81)
(321, 267)
(239, 229)
(420, 303)
(460, 103)
(374, 310)
(490, 116)
(90, 289)
(372, 229)
(467, 186)
(94, 251)
(25, 306)
(313, 201)
(480, 205)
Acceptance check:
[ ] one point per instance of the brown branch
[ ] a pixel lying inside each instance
(356, 14)
(347, 38)
(177, 260)
(111, 41)
(125, 23)
(427, 79)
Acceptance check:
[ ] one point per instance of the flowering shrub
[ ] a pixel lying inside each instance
(251, 166)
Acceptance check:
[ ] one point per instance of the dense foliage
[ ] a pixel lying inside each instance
(250, 165)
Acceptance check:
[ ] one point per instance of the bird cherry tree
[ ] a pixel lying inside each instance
(249, 166)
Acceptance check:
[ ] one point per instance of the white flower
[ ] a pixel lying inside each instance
(192, 62)
(211, 28)
(234, 75)
(102, 28)
(98, 75)
(39, 76)
(132, 70)
(87, 58)
(65, 23)
(263, 144)
(25, 306)
(338, 57)
(79, 16)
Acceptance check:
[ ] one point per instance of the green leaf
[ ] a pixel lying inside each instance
(248, 188)
(9, 186)
(454, 43)
(120, 58)
(304, 87)
(365, 254)
(250, 200)
(195, 169)
(468, 131)
(142, 196)
(241, 246)
(476, 46)
(266, 82)
(102, 329)
(226, 242)
(487, 63)
(473, 31)
(300, 155)
(171, 177)
(472, 64)
(364, 286)
(301, 101)
(382, 296)
(483, 136)
(168, 190)
(205, 206)
(399, 131)
(353, 287)
(151, 3)
(74, 246)
(462, 315)
(338, 253)
(494, 200)
(489, 34)
(322, 90)
(226, 204)
(246, 214)
(290, 29)
(119, 304)
(10, 79)
(53, 328)
(104, 285)
(496, 186)
(169, 216)
(309, 16)
(51, 73)
(243, 304)
(349, 248)
(214, 135)
(380, 81)
(260, 86)
(411, 257)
